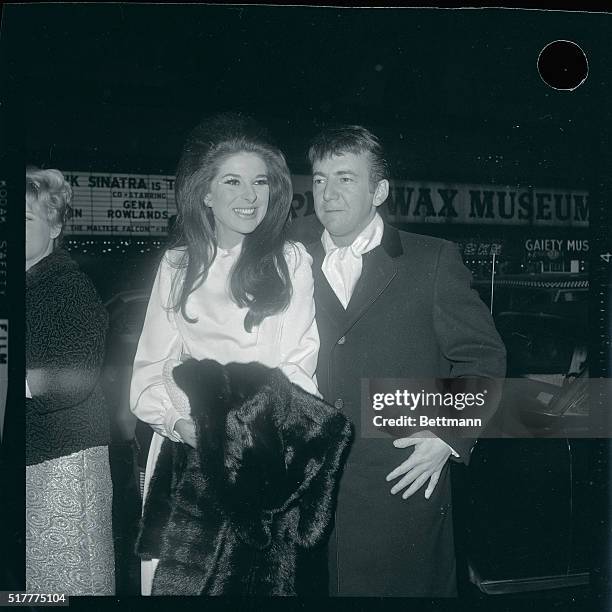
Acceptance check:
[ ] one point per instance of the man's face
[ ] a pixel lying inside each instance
(343, 200)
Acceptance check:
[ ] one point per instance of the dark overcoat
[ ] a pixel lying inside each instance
(413, 314)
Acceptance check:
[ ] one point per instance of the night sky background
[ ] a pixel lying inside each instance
(455, 94)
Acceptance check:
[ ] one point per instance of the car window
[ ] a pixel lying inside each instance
(126, 318)
(536, 343)
(130, 318)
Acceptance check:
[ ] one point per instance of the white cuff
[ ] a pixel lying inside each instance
(172, 416)
(452, 450)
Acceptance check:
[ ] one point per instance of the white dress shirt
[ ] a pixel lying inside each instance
(342, 265)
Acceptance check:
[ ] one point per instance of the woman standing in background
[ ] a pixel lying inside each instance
(69, 543)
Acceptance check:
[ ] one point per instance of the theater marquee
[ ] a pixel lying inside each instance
(120, 204)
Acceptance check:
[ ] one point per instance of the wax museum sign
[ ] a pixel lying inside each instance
(432, 202)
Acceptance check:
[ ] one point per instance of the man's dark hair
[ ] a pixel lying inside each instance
(341, 139)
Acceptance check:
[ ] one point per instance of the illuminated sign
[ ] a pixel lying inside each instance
(120, 204)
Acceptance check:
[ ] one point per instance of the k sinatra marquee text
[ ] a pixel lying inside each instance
(140, 204)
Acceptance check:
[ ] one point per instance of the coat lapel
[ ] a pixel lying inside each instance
(325, 298)
(379, 269)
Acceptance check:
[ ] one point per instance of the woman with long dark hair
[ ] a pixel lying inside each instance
(232, 288)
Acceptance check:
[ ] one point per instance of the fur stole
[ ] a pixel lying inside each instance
(250, 510)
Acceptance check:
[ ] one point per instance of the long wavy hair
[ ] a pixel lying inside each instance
(260, 278)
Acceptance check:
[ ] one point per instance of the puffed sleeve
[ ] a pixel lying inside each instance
(299, 343)
(159, 342)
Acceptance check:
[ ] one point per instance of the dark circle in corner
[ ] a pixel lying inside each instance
(563, 65)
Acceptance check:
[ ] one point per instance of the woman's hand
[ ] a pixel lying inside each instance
(186, 429)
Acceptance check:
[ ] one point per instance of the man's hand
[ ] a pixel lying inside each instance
(186, 429)
(425, 464)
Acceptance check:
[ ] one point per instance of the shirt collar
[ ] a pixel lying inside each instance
(369, 238)
(232, 252)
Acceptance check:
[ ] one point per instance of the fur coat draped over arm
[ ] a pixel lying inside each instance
(249, 511)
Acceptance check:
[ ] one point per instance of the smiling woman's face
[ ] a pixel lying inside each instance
(238, 196)
(39, 233)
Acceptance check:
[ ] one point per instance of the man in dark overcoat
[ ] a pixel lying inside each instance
(390, 304)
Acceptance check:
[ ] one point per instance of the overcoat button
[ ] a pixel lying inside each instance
(342, 340)
(339, 404)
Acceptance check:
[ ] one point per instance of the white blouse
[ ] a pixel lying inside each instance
(288, 340)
